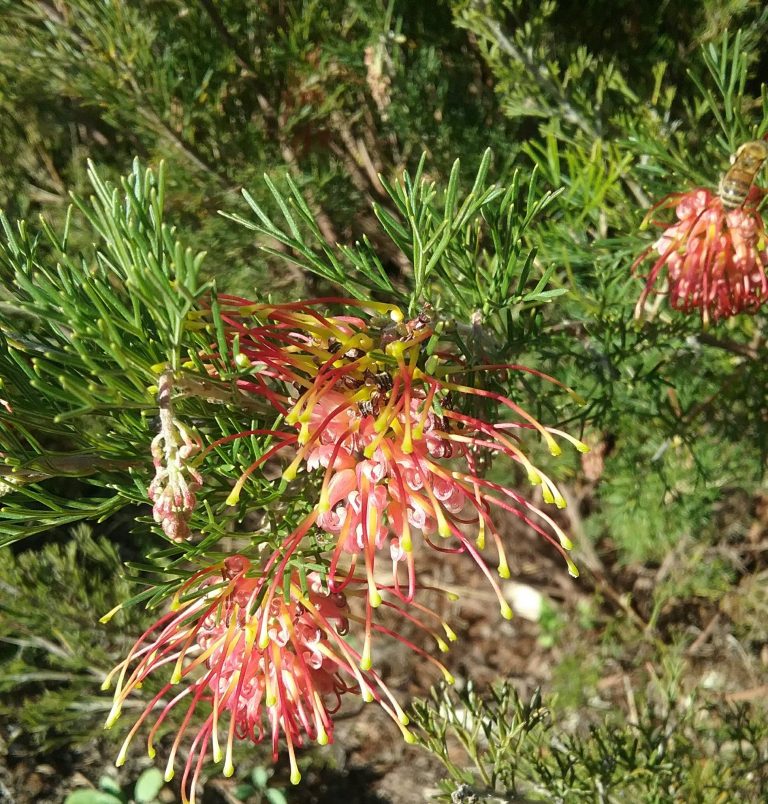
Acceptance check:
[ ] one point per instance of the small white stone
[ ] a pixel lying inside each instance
(525, 601)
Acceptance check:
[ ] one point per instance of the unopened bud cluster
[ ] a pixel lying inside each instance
(173, 487)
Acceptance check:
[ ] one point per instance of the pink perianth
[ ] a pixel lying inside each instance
(715, 258)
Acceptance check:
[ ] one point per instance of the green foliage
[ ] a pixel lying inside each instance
(86, 335)
(226, 91)
(145, 791)
(257, 786)
(675, 752)
(54, 651)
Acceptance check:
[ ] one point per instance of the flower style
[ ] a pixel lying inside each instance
(715, 257)
(274, 661)
(397, 458)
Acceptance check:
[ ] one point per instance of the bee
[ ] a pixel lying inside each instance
(368, 407)
(380, 384)
(737, 180)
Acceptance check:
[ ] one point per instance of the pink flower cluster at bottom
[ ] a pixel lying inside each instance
(274, 659)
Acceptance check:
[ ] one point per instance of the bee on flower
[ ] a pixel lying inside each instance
(372, 407)
(258, 655)
(716, 253)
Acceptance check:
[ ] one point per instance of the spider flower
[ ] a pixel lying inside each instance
(374, 411)
(715, 257)
(272, 663)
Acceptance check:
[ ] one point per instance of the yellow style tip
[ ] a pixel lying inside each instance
(408, 737)
(112, 718)
(506, 611)
(295, 776)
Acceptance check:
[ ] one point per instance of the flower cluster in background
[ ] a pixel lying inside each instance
(716, 254)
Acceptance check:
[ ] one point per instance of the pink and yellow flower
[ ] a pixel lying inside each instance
(715, 258)
(372, 404)
(258, 651)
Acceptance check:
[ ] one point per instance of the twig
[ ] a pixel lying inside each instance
(540, 75)
(729, 346)
(748, 694)
(324, 222)
(703, 636)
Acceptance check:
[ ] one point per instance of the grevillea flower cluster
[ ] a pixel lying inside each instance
(381, 417)
(257, 657)
(716, 253)
(378, 411)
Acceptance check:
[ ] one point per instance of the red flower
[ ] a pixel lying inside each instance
(398, 459)
(715, 257)
(274, 660)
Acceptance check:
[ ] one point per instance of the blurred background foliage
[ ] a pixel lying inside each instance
(611, 104)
